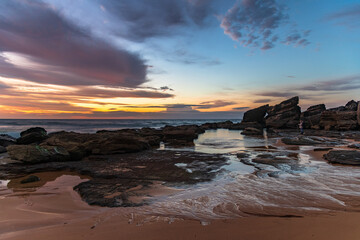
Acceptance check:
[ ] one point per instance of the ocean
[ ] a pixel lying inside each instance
(13, 127)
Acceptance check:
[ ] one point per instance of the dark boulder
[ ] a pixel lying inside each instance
(345, 157)
(284, 115)
(32, 135)
(6, 140)
(73, 142)
(36, 153)
(2, 149)
(256, 115)
(358, 114)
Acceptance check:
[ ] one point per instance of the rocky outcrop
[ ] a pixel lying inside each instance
(351, 106)
(341, 118)
(345, 157)
(256, 115)
(115, 143)
(116, 179)
(284, 115)
(36, 153)
(32, 135)
(74, 143)
(181, 135)
(311, 117)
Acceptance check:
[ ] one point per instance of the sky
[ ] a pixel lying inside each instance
(174, 59)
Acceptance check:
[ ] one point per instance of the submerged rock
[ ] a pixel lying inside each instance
(250, 131)
(30, 179)
(300, 141)
(284, 115)
(346, 157)
(355, 145)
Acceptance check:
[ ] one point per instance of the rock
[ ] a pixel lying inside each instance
(225, 125)
(6, 140)
(345, 157)
(358, 114)
(181, 135)
(36, 153)
(115, 142)
(284, 115)
(256, 115)
(338, 120)
(322, 149)
(311, 116)
(32, 135)
(351, 106)
(2, 149)
(250, 131)
(152, 136)
(355, 145)
(300, 141)
(30, 179)
(117, 178)
(74, 143)
(242, 155)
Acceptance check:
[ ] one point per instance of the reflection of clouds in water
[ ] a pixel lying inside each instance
(226, 141)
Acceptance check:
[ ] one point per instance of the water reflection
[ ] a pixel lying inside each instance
(227, 141)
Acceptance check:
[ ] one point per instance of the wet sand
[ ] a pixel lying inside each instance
(339, 226)
(55, 211)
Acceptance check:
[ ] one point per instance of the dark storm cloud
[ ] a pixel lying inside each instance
(253, 23)
(145, 19)
(66, 53)
(349, 17)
